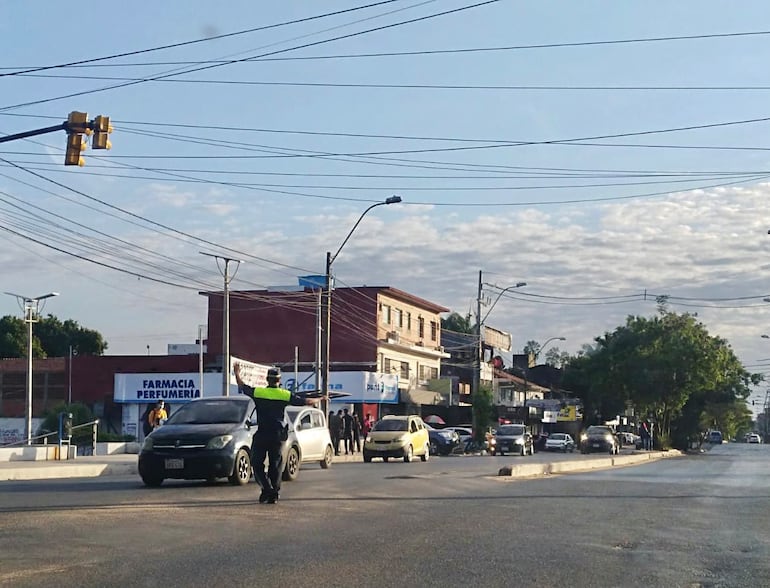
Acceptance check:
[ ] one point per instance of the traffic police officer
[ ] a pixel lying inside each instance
(272, 430)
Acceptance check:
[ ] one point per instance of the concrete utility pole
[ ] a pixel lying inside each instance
(225, 318)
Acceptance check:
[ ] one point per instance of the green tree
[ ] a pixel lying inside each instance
(13, 339)
(556, 357)
(483, 412)
(457, 323)
(670, 370)
(50, 338)
(532, 347)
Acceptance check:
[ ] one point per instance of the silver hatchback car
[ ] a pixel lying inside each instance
(309, 440)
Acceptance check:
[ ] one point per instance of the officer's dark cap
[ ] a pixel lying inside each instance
(273, 374)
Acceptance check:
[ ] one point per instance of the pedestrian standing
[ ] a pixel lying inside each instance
(272, 430)
(334, 431)
(357, 432)
(347, 430)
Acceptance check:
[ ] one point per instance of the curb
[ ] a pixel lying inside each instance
(565, 467)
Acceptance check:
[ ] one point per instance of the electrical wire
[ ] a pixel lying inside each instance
(415, 86)
(191, 42)
(255, 57)
(419, 52)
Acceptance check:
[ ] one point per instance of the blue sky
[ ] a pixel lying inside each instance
(578, 223)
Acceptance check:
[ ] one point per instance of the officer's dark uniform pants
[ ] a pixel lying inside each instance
(271, 448)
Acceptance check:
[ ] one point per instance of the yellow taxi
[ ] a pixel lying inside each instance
(397, 436)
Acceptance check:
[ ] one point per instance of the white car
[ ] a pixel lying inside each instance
(309, 440)
(560, 442)
(753, 438)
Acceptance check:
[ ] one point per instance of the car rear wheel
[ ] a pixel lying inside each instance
(291, 471)
(433, 448)
(367, 458)
(523, 450)
(326, 462)
(242, 469)
(408, 453)
(426, 455)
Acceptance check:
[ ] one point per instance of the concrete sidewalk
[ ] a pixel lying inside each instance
(122, 464)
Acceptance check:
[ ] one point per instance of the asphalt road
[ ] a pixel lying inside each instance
(690, 521)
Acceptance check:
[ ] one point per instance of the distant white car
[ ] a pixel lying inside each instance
(753, 438)
(560, 442)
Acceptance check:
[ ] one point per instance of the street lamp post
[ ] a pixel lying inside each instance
(327, 299)
(479, 350)
(476, 383)
(31, 308)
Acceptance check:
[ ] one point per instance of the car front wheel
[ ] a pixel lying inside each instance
(152, 481)
(408, 453)
(426, 454)
(241, 470)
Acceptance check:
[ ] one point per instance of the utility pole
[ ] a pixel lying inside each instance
(225, 318)
(478, 350)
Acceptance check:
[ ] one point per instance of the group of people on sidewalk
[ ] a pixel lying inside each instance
(346, 429)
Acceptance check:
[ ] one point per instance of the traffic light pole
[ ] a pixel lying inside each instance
(34, 133)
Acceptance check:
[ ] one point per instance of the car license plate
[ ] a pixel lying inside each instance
(596, 445)
(175, 464)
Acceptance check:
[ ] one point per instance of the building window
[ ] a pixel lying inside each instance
(398, 318)
(433, 330)
(404, 370)
(408, 321)
(385, 314)
(428, 373)
(386, 365)
(421, 327)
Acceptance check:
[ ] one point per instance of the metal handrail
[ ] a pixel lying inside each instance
(44, 435)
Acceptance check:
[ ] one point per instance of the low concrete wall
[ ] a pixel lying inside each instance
(51, 452)
(35, 453)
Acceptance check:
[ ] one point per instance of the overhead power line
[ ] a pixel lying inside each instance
(415, 86)
(255, 57)
(193, 41)
(704, 36)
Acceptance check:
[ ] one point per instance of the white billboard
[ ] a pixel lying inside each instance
(370, 387)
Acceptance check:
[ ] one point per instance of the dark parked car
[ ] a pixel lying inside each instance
(512, 439)
(210, 438)
(599, 438)
(205, 439)
(442, 442)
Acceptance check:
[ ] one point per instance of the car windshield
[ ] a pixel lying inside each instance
(390, 425)
(292, 413)
(557, 437)
(511, 430)
(598, 431)
(207, 412)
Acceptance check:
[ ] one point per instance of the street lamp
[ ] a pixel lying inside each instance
(543, 346)
(326, 307)
(476, 384)
(31, 307)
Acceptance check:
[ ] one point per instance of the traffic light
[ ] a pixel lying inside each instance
(102, 129)
(75, 146)
(76, 126)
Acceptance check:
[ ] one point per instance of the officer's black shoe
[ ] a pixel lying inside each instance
(273, 498)
(264, 497)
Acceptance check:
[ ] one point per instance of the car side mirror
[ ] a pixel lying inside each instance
(250, 423)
